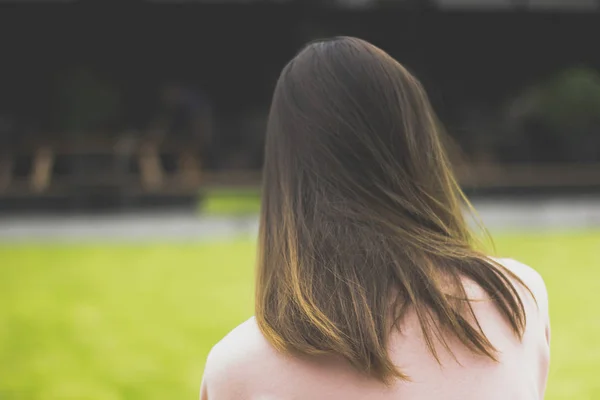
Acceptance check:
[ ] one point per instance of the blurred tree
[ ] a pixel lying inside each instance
(559, 119)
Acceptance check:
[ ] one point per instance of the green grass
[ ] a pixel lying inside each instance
(230, 202)
(116, 322)
(134, 322)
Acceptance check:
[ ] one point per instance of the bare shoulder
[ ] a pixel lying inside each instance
(239, 346)
(235, 357)
(530, 277)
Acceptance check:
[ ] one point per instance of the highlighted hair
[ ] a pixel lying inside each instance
(362, 218)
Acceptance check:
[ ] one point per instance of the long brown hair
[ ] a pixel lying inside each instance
(361, 216)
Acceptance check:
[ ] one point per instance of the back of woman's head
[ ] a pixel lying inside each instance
(361, 215)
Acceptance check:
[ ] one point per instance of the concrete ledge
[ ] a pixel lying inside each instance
(497, 215)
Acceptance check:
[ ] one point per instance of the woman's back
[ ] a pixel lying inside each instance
(245, 366)
(370, 283)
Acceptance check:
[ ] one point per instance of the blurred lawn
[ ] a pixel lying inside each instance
(230, 202)
(137, 321)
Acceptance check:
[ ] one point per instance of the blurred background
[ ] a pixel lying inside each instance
(131, 139)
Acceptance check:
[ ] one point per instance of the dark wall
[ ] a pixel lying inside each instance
(236, 52)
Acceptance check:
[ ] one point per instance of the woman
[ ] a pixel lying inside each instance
(369, 285)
